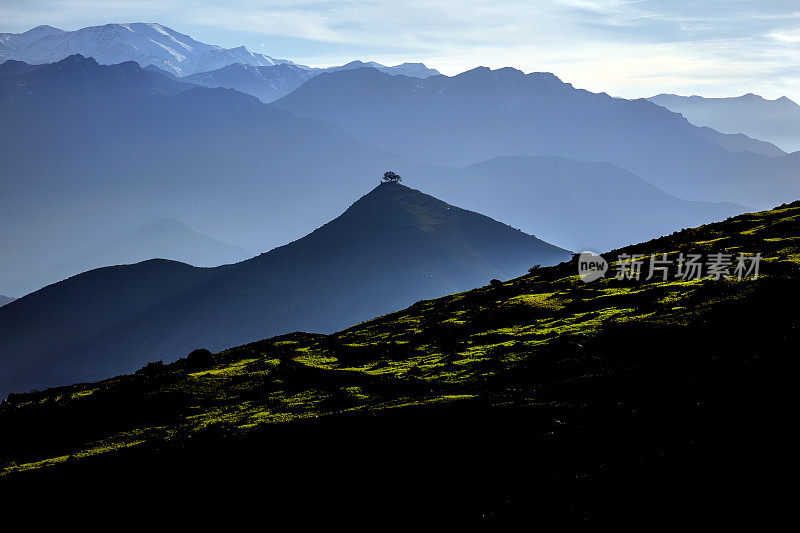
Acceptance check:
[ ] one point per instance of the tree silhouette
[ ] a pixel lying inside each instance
(391, 177)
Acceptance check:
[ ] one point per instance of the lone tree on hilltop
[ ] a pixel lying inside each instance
(391, 177)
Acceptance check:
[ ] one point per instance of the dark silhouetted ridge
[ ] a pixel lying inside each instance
(392, 247)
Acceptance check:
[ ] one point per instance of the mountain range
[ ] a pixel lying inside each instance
(392, 247)
(5, 300)
(271, 83)
(483, 113)
(776, 121)
(122, 146)
(412, 70)
(145, 43)
(151, 44)
(579, 205)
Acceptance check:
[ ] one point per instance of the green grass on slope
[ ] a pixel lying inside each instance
(503, 346)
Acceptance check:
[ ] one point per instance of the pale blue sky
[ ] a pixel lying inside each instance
(625, 47)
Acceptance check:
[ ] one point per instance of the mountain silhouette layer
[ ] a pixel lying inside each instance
(776, 121)
(581, 206)
(270, 83)
(5, 300)
(165, 239)
(392, 247)
(90, 151)
(482, 114)
(412, 70)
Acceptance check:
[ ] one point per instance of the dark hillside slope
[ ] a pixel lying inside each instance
(391, 248)
(41, 333)
(542, 400)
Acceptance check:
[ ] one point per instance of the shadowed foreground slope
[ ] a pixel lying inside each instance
(541, 399)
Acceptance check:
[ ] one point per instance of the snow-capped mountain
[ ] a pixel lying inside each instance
(265, 83)
(20, 41)
(145, 43)
(172, 52)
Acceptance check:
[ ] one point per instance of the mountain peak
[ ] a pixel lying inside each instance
(546, 76)
(752, 96)
(412, 70)
(77, 59)
(482, 71)
(43, 29)
(397, 204)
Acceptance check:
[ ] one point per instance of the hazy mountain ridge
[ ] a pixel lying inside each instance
(390, 248)
(77, 74)
(163, 239)
(739, 142)
(412, 70)
(776, 121)
(482, 113)
(5, 300)
(122, 145)
(274, 82)
(580, 205)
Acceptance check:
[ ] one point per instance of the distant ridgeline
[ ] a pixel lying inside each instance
(776, 121)
(482, 113)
